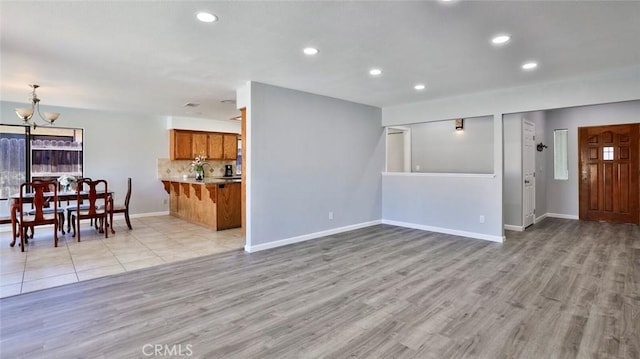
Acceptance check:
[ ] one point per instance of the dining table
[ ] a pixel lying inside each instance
(63, 195)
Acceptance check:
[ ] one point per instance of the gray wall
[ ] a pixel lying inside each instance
(310, 155)
(117, 146)
(562, 196)
(450, 203)
(438, 147)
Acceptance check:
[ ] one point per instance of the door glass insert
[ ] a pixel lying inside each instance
(607, 153)
(560, 158)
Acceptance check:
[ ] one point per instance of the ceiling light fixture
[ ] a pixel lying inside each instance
(375, 72)
(206, 17)
(500, 39)
(529, 65)
(310, 50)
(419, 87)
(26, 114)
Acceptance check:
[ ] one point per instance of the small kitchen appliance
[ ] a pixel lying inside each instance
(228, 171)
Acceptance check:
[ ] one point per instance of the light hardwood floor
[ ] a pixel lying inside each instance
(562, 289)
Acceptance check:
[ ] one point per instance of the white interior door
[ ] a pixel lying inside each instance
(528, 173)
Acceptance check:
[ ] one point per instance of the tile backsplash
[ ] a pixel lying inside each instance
(178, 168)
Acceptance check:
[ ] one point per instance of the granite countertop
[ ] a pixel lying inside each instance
(207, 180)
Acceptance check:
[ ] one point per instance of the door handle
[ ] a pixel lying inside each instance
(526, 181)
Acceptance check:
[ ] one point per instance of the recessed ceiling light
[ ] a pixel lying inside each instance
(529, 65)
(419, 87)
(375, 72)
(206, 17)
(310, 50)
(501, 39)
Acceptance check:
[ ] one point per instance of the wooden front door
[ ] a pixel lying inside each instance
(609, 171)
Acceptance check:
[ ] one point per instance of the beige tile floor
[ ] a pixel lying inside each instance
(153, 241)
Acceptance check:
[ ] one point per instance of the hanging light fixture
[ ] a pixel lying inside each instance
(26, 114)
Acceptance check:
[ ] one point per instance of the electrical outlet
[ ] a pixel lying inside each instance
(481, 219)
(330, 215)
(165, 201)
(417, 167)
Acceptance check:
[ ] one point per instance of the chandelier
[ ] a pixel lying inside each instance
(26, 114)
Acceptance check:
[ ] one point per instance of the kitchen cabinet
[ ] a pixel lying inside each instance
(180, 145)
(213, 203)
(230, 146)
(186, 145)
(223, 146)
(215, 149)
(199, 144)
(228, 210)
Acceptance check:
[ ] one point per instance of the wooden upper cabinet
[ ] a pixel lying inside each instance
(180, 145)
(185, 145)
(199, 144)
(230, 146)
(214, 149)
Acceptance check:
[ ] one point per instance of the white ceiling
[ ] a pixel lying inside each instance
(153, 56)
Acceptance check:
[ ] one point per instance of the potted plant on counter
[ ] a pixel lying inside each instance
(198, 167)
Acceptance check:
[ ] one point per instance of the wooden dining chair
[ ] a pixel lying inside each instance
(95, 207)
(121, 208)
(71, 206)
(48, 208)
(34, 192)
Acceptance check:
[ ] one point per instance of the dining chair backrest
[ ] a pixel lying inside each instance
(119, 208)
(51, 186)
(97, 194)
(77, 185)
(39, 195)
(127, 198)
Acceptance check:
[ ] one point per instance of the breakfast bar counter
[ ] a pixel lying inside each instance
(213, 202)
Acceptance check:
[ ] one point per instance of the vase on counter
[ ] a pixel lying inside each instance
(199, 173)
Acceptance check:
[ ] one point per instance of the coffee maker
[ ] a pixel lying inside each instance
(228, 170)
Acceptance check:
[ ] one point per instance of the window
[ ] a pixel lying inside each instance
(560, 161)
(607, 153)
(239, 158)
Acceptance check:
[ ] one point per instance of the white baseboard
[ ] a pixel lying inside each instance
(149, 214)
(510, 227)
(539, 219)
(563, 216)
(306, 237)
(455, 232)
